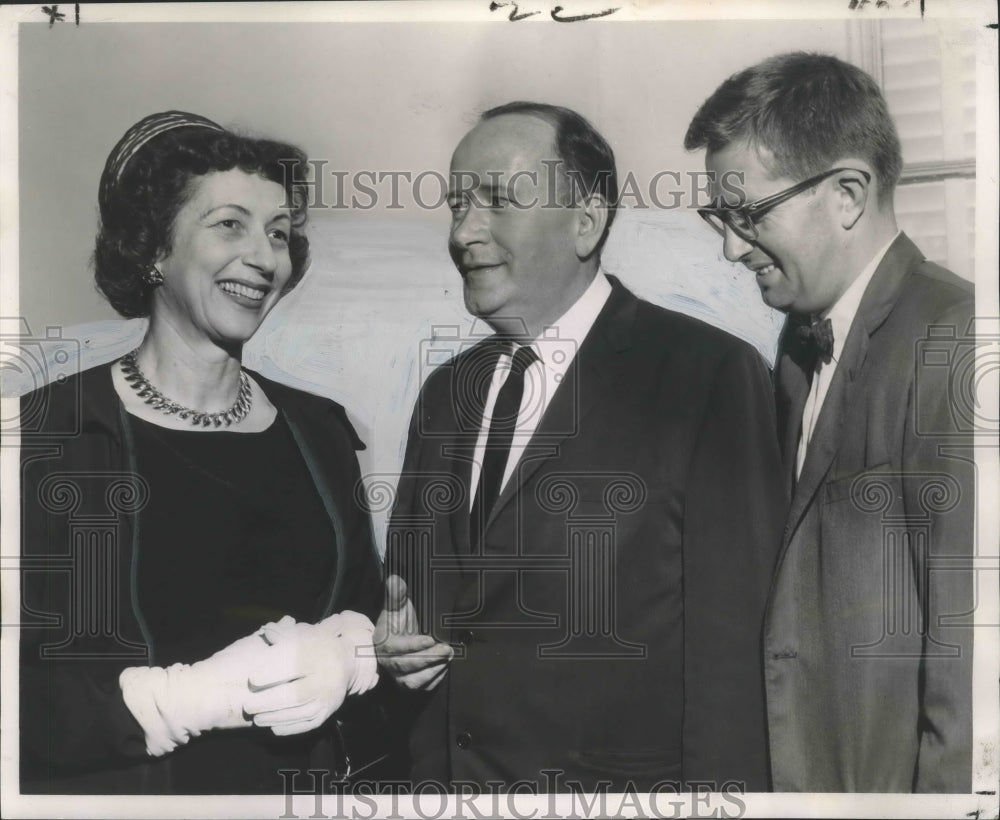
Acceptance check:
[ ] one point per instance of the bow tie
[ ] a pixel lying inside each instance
(819, 338)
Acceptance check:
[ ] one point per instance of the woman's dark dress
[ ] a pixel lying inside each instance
(145, 545)
(234, 536)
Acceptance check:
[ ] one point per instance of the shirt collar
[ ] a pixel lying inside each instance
(557, 344)
(842, 314)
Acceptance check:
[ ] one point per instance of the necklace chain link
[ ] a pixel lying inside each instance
(155, 399)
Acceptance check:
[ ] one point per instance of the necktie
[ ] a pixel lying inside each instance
(501, 434)
(817, 340)
(797, 364)
(819, 335)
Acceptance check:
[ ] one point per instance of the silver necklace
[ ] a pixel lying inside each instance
(155, 399)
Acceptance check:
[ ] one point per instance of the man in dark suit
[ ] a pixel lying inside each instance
(587, 553)
(868, 638)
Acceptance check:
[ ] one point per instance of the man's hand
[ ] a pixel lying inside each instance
(415, 661)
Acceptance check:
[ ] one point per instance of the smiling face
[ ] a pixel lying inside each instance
(518, 249)
(799, 252)
(228, 263)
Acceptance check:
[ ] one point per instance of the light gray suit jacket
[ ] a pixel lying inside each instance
(868, 638)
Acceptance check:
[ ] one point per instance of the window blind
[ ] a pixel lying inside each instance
(928, 71)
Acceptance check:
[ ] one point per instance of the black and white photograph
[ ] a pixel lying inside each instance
(500, 409)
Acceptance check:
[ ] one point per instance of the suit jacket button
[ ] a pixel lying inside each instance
(464, 740)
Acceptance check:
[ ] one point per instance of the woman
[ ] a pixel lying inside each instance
(199, 632)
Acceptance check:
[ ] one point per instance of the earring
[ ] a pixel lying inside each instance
(153, 276)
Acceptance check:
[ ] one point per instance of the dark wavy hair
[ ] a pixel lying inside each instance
(587, 156)
(138, 209)
(809, 110)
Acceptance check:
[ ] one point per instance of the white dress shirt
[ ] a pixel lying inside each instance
(841, 317)
(556, 348)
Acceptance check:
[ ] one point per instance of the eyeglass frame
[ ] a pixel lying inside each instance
(762, 206)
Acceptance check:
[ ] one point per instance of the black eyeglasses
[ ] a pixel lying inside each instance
(741, 218)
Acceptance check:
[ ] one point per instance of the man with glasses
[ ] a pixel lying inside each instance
(868, 639)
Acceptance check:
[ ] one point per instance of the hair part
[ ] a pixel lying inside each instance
(801, 113)
(139, 208)
(587, 159)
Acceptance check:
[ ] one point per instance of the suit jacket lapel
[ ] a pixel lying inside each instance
(827, 434)
(876, 304)
(591, 377)
(460, 465)
(469, 388)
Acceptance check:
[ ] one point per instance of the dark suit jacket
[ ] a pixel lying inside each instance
(868, 664)
(611, 626)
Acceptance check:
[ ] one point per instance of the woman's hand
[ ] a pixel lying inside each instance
(311, 669)
(181, 701)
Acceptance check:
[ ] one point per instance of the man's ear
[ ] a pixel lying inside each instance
(855, 192)
(591, 221)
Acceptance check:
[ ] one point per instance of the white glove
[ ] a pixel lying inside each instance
(311, 669)
(173, 705)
